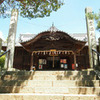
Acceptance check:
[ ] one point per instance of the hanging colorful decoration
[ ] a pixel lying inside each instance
(53, 52)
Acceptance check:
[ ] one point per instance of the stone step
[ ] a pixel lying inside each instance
(75, 83)
(33, 96)
(71, 90)
(50, 90)
(49, 77)
(53, 83)
(19, 73)
(65, 73)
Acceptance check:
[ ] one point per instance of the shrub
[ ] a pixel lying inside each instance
(2, 61)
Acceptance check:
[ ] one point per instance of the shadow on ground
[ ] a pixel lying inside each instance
(13, 82)
(85, 81)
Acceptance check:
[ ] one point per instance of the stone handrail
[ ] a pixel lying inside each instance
(97, 71)
(4, 53)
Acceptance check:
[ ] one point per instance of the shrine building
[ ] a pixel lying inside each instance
(51, 50)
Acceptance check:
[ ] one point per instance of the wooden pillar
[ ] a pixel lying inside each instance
(31, 61)
(75, 60)
(53, 62)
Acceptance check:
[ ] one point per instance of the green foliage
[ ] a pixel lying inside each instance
(95, 16)
(90, 15)
(2, 61)
(29, 8)
(98, 25)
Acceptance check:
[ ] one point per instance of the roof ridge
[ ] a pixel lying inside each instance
(53, 29)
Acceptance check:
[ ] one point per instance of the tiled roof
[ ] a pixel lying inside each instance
(79, 36)
(26, 37)
(52, 29)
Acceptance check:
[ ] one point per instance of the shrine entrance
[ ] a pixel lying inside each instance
(58, 63)
(52, 60)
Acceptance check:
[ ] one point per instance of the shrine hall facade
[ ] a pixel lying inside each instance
(51, 50)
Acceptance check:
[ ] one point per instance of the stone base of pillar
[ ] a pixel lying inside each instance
(90, 69)
(12, 69)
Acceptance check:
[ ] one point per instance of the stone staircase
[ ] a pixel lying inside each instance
(49, 85)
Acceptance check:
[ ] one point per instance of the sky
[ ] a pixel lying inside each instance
(70, 18)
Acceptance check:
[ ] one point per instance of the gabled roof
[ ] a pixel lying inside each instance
(77, 36)
(53, 39)
(28, 37)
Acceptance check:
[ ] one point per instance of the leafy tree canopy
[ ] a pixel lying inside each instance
(29, 8)
(95, 16)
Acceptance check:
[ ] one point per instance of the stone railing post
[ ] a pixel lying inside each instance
(91, 38)
(11, 40)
